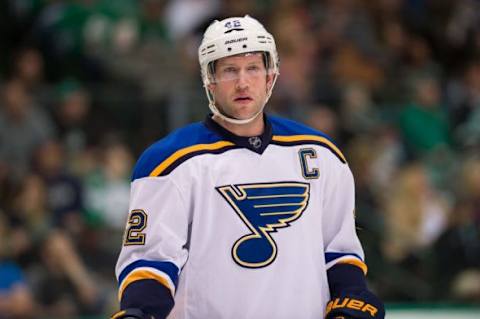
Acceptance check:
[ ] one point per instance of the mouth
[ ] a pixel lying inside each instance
(243, 99)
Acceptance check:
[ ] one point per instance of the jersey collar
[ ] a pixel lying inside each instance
(257, 144)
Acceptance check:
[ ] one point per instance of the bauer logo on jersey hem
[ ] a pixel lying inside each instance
(309, 139)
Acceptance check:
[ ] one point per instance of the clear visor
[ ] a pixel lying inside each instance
(224, 71)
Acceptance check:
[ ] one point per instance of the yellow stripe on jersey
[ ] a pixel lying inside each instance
(142, 274)
(307, 138)
(118, 314)
(354, 261)
(185, 151)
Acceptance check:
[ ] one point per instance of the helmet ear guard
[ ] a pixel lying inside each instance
(234, 36)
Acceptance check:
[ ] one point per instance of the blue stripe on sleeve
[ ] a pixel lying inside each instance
(164, 266)
(332, 256)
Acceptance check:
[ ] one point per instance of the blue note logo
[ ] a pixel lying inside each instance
(264, 208)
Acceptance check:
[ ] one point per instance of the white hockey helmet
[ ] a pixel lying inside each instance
(234, 36)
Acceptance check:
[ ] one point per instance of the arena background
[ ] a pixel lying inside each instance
(86, 85)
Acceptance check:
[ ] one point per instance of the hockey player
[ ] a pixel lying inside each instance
(243, 215)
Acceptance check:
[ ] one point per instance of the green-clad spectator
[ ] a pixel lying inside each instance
(59, 30)
(153, 25)
(120, 26)
(112, 26)
(108, 187)
(424, 122)
(62, 25)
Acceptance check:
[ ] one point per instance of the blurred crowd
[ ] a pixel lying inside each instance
(86, 85)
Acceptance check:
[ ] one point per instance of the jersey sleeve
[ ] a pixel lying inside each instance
(341, 243)
(155, 238)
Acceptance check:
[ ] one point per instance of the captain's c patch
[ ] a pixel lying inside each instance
(264, 208)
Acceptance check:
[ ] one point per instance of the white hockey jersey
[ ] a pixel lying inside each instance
(241, 227)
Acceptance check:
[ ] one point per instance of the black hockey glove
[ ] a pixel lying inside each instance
(131, 313)
(355, 304)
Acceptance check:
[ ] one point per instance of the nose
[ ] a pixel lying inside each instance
(242, 81)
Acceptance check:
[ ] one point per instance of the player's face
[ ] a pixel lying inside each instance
(241, 85)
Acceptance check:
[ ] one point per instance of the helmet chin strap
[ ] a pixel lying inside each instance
(232, 120)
